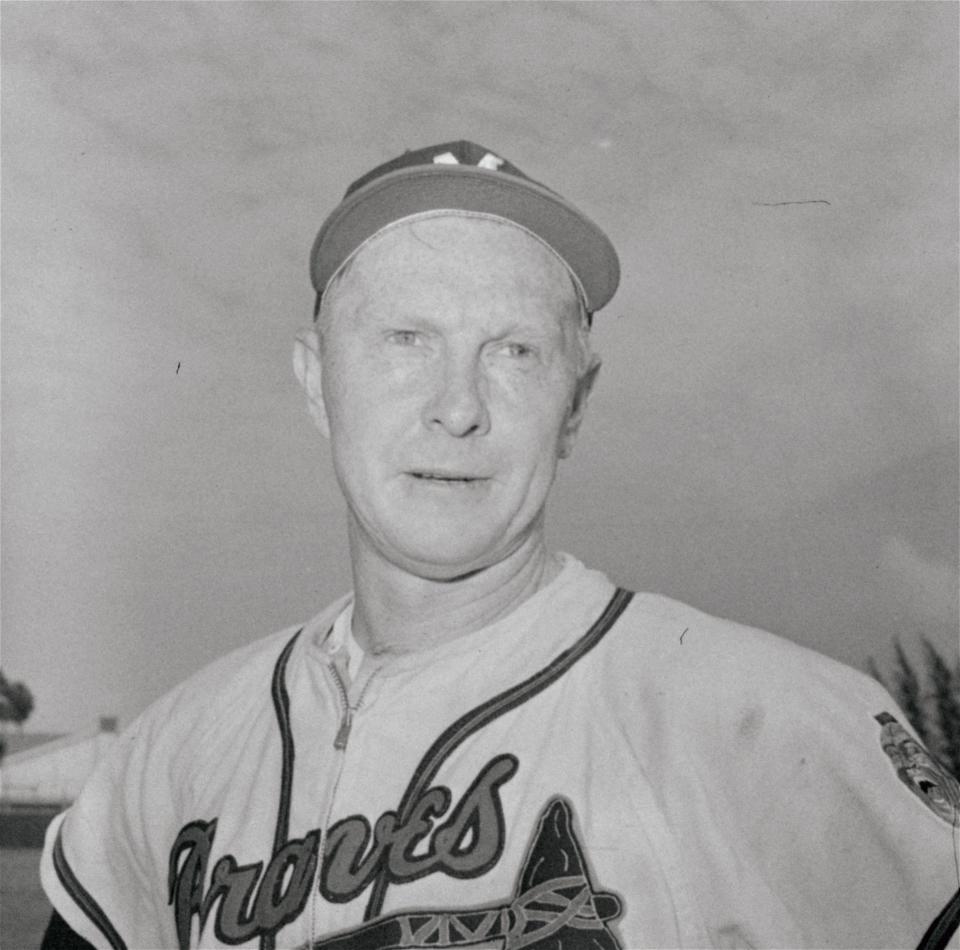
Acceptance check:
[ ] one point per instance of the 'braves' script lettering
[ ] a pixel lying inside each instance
(240, 915)
(468, 844)
(251, 900)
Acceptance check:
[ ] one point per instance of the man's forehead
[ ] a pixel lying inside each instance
(472, 251)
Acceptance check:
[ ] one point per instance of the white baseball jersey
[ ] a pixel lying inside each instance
(597, 770)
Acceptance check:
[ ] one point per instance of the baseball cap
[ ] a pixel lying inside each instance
(464, 176)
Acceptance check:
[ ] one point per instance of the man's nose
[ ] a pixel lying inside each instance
(459, 403)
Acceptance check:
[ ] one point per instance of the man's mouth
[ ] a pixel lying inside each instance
(450, 478)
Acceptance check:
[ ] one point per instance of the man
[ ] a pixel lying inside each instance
(487, 744)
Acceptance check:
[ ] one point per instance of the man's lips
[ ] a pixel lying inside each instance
(446, 476)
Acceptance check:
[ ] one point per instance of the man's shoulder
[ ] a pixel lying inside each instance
(711, 697)
(237, 667)
(691, 661)
(241, 678)
(667, 629)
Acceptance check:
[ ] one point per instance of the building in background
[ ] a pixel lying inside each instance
(41, 779)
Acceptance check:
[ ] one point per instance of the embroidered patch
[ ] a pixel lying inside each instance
(920, 771)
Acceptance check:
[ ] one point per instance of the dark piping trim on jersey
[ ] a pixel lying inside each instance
(82, 897)
(485, 714)
(281, 705)
(940, 931)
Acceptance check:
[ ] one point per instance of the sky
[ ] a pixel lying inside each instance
(773, 437)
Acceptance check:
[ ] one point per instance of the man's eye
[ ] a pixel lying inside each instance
(403, 337)
(519, 350)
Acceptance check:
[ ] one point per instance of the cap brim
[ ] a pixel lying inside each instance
(586, 250)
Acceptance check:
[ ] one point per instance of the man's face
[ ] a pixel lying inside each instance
(450, 389)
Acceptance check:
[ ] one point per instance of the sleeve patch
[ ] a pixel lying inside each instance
(927, 778)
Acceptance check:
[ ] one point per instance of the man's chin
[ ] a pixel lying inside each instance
(449, 560)
(448, 569)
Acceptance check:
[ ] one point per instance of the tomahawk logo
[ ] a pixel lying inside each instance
(554, 906)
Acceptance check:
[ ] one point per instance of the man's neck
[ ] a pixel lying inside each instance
(397, 612)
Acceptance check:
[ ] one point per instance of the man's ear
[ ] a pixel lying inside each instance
(307, 365)
(578, 407)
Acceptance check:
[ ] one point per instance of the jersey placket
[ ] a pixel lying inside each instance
(335, 670)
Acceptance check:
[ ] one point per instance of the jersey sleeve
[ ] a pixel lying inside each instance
(806, 811)
(102, 866)
(843, 828)
(106, 863)
(865, 853)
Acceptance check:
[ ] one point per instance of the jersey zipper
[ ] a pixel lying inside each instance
(347, 710)
(340, 745)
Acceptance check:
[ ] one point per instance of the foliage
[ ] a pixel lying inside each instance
(934, 709)
(16, 701)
